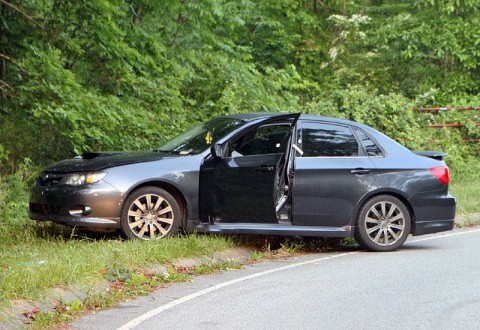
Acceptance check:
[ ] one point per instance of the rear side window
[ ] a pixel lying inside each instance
(328, 140)
(371, 149)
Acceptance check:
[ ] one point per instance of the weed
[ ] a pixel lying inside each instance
(292, 246)
(468, 220)
(44, 320)
(116, 272)
(172, 276)
(215, 266)
(74, 306)
(256, 256)
(100, 300)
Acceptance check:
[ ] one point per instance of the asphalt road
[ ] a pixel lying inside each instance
(431, 283)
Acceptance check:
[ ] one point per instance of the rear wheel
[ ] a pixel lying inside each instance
(150, 213)
(383, 224)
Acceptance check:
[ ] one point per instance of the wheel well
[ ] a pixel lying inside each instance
(172, 190)
(393, 194)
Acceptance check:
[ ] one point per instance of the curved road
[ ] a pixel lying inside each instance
(431, 283)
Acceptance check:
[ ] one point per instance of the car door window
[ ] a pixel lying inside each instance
(327, 140)
(269, 139)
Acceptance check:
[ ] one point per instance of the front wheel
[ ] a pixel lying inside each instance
(150, 213)
(383, 224)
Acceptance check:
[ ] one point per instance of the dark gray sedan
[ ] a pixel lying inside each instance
(257, 173)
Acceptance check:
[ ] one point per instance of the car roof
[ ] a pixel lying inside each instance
(384, 140)
(254, 115)
(257, 115)
(329, 119)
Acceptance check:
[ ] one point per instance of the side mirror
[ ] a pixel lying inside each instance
(217, 150)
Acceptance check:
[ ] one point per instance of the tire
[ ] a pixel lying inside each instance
(383, 224)
(150, 213)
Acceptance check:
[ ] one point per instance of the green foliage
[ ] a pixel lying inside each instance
(171, 276)
(117, 75)
(116, 272)
(435, 46)
(384, 112)
(29, 267)
(14, 194)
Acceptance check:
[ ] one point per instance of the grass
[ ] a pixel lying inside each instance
(32, 266)
(467, 192)
(138, 284)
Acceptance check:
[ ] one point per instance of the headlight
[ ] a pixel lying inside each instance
(77, 179)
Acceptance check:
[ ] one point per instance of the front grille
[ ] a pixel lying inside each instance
(49, 179)
(44, 208)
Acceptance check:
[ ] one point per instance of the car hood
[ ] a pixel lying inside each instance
(94, 161)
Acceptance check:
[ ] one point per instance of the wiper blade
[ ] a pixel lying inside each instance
(167, 151)
(176, 152)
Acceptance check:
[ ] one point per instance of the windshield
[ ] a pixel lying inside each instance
(201, 137)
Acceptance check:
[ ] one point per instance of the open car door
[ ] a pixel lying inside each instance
(245, 179)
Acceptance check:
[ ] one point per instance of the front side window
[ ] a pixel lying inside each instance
(268, 139)
(328, 140)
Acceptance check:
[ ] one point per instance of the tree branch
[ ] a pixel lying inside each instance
(6, 57)
(23, 13)
(4, 85)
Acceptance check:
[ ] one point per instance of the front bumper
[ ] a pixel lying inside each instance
(87, 206)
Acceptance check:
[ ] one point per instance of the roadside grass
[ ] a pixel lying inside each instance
(31, 266)
(467, 192)
(139, 283)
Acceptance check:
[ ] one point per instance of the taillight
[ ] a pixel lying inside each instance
(441, 173)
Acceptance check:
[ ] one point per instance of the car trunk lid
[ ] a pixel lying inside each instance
(438, 155)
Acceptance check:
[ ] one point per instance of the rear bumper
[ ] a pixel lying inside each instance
(433, 214)
(430, 227)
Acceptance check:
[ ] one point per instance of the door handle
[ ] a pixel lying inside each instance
(264, 168)
(360, 171)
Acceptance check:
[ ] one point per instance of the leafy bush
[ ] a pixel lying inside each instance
(391, 114)
(14, 195)
(394, 115)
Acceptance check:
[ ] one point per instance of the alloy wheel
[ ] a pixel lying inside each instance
(150, 216)
(385, 223)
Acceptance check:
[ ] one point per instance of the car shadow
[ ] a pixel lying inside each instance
(418, 246)
(296, 244)
(51, 230)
